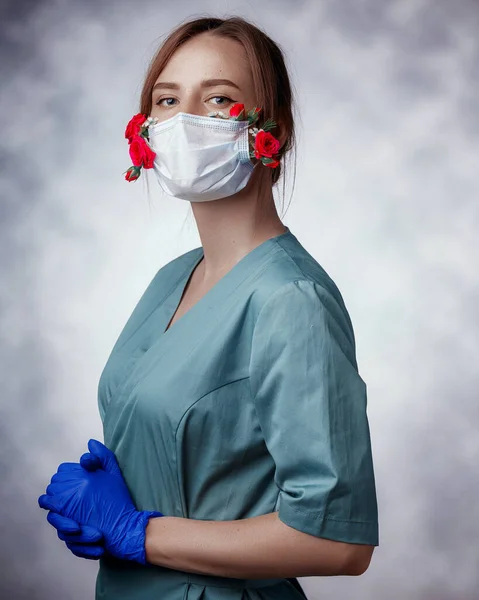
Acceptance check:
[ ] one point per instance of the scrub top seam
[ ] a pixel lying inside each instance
(313, 280)
(207, 394)
(338, 297)
(324, 516)
(276, 505)
(278, 243)
(266, 302)
(305, 276)
(335, 295)
(177, 475)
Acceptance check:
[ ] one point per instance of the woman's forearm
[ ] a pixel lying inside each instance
(260, 547)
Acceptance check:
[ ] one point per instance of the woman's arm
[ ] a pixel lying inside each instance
(260, 547)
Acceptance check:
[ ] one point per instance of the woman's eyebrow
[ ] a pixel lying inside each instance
(205, 83)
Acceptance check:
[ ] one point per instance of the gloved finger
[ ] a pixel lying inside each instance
(49, 503)
(67, 476)
(91, 552)
(90, 462)
(87, 535)
(68, 466)
(70, 530)
(63, 524)
(107, 457)
(55, 488)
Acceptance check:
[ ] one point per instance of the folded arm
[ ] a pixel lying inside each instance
(260, 547)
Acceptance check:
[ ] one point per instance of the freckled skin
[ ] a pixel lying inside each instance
(204, 57)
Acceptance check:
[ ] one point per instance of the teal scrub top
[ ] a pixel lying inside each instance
(250, 403)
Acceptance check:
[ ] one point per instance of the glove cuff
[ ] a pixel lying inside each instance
(145, 516)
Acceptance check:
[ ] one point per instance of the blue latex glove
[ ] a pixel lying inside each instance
(100, 499)
(83, 541)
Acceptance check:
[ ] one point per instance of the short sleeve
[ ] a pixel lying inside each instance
(311, 405)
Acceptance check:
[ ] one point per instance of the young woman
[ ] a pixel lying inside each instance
(237, 451)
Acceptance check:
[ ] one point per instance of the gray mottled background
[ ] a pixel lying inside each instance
(386, 199)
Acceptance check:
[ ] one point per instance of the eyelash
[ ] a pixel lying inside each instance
(161, 100)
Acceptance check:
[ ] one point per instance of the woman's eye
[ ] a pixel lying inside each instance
(226, 97)
(161, 100)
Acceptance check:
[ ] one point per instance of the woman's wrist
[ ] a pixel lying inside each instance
(146, 515)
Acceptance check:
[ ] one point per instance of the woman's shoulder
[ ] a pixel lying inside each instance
(293, 280)
(291, 263)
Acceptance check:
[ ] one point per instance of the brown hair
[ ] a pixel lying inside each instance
(270, 76)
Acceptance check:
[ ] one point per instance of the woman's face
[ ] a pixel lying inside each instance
(205, 74)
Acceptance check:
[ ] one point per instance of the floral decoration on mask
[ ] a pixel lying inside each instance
(141, 154)
(263, 145)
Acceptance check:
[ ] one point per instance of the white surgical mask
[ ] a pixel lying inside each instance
(201, 158)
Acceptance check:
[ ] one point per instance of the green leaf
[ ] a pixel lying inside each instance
(252, 116)
(269, 124)
(240, 116)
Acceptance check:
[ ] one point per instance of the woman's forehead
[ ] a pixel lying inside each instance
(208, 57)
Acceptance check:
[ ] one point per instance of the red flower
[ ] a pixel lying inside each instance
(273, 164)
(236, 109)
(132, 173)
(133, 127)
(141, 154)
(265, 144)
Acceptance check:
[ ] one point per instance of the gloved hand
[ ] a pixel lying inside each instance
(100, 499)
(83, 541)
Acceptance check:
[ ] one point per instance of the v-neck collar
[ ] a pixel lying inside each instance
(221, 289)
